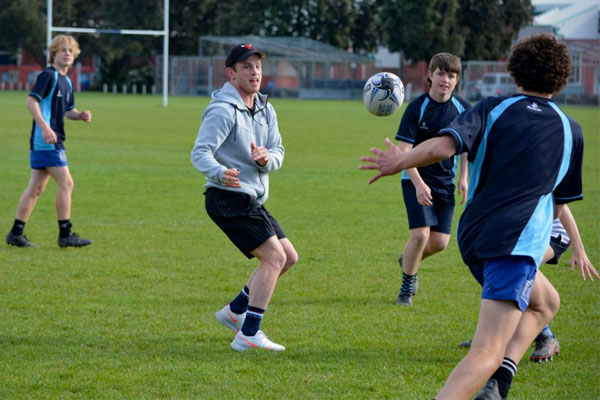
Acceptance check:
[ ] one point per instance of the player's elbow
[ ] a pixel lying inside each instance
(444, 149)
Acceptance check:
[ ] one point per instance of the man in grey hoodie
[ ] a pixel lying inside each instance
(237, 146)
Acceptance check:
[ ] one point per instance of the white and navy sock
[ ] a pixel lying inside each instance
(239, 305)
(504, 375)
(252, 321)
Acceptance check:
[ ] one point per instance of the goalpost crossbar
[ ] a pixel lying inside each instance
(164, 33)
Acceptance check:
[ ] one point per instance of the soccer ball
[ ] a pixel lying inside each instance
(383, 94)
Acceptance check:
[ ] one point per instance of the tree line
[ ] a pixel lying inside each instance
(471, 29)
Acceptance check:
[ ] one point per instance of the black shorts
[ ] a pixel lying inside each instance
(245, 222)
(437, 216)
(559, 248)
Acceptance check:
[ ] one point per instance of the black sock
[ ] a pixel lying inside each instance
(252, 321)
(239, 305)
(408, 283)
(18, 227)
(504, 376)
(65, 227)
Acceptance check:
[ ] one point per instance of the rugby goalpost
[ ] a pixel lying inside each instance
(164, 33)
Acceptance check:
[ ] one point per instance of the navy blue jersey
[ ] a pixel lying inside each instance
(525, 154)
(422, 119)
(55, 94)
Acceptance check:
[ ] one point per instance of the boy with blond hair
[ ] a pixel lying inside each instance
(49, 102)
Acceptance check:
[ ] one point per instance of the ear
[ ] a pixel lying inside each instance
(230, 72)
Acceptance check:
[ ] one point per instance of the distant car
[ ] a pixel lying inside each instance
(497, 84)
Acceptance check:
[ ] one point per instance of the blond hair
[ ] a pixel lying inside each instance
(61, 40)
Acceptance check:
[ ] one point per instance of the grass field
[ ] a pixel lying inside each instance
(132, 316)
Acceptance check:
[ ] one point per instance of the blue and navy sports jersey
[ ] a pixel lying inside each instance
(525, 154)
(55, 94)
(422, 119)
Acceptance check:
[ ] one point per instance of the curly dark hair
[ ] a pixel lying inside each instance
(540, 63)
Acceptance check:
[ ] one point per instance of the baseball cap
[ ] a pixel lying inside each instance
(241, 52)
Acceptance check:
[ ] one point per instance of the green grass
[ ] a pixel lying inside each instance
(132, 316)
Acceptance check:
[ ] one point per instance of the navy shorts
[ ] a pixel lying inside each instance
(245, 222)
(559, 248)
(437, 216)
(41, 159)
(506, 278)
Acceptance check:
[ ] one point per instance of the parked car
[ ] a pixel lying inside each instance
(497, 84)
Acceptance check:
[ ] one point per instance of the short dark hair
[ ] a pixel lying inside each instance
(445, 62)
(540, 63)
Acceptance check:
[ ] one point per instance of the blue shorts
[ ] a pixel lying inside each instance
(41, 159)
(506, 278)
(438, 216)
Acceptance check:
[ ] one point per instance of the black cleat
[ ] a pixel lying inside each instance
(490, 391)
(19, 240)
(404, 299)
(465, 344)
(73, 240)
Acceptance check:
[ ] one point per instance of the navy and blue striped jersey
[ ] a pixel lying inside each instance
(525, 155)
(55, 94)
(422, 119)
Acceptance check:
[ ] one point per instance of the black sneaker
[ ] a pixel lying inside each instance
(490, 391)
(19, 240)
(466, 343)
(73, 240)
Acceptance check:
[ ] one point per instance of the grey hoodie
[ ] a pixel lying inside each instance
(224, 139)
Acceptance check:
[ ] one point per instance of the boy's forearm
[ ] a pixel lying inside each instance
(73, 114)
(464, 166)
(568, 222)
(34, 109)
(429, 152)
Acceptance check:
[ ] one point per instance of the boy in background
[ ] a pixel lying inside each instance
(48, 103)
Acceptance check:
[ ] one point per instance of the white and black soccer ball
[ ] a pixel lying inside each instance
(383, 94)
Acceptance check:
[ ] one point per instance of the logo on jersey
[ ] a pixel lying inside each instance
(424, 126)
(59, 93)
(534, 107)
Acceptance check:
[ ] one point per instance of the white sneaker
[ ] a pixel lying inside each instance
(230, 319)
(242, 342)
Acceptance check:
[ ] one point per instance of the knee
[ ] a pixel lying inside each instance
(438, 245)
(277, 260)
(553, 304)
(419, 238)
(38, 190)
(68, 185)
(291, 258)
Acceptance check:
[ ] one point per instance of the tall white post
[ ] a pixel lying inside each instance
(48, 30)
(166, 54)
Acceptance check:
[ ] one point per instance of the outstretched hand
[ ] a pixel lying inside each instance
(386, 161)
(586, 269)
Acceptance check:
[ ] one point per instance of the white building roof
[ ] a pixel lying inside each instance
(571, 19)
